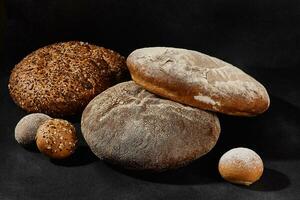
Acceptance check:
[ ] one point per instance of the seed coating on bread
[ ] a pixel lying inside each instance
(198, 80)
(56, 138)
(60, 79)
(132, 127)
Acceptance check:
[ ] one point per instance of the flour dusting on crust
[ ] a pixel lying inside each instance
(241, 157)
(182, 75)
(206, 99)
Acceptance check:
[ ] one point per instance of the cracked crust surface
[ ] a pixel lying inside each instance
(199, 80)
(60, 79)
(132, 127)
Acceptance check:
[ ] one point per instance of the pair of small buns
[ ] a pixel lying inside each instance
(61, 79)
(55, 138)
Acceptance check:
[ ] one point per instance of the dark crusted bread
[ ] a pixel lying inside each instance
(131, 127)
(60, 79)
(199, 80)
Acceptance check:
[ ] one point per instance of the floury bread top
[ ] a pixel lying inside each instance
(199, 80)
(132, 127)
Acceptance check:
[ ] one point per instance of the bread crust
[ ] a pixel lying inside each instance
(132, 127)
(198, 80)
(60, 79)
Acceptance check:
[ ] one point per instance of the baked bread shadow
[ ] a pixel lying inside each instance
(201, 171)
(273, 135)
(271, 180)
(82, 156)
(31, 147)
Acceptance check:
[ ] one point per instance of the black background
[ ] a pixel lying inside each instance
(260, 37)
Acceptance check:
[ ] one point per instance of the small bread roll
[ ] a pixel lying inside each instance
(241, 166)
(26, 128)
(56, 138)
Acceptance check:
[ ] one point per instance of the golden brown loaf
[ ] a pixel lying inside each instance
(132, 127)
(199, 80)
(60, 79)
(56, 138)
(241, 166)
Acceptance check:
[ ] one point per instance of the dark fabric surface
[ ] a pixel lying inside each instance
(260, 37)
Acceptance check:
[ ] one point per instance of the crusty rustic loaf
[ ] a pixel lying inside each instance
(199, 80)
(60, 79)
(129, 126)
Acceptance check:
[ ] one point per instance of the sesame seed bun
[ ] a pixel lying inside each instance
(56, 138)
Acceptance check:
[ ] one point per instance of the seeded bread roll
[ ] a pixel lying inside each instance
(56, 138)
(60, 79)
(131, 127)
(199, 80)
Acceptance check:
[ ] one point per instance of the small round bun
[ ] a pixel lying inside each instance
(26, 128)
(56, 138)
(60, 79)
(241, 166)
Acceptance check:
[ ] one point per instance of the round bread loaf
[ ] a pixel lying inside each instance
(129, 126)
(199, 80)
(56, 138)
(25, 131)
(241, 166)
(60, 79)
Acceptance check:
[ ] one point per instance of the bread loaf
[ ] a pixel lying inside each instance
(199, 80)
(60, 79)
(132, 127)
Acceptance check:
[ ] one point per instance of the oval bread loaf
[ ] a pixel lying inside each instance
(199, 80)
